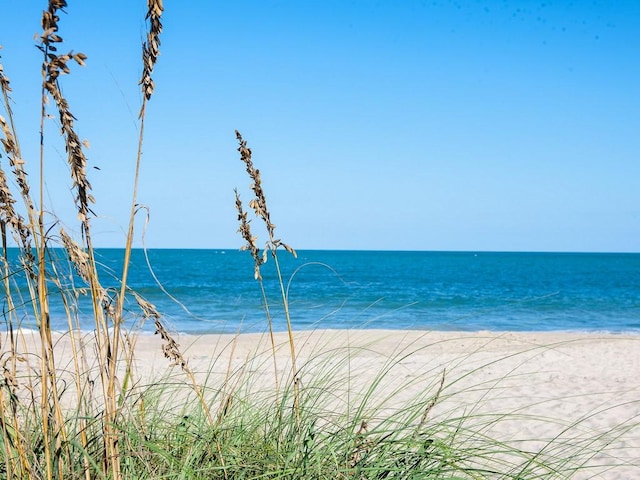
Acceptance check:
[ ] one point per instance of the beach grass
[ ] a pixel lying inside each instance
(79, 404)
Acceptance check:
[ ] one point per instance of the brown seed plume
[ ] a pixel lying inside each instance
(259, 202)
(53, 66)
(170, 348)
(151, 48)
(8, 214)
(245, 231)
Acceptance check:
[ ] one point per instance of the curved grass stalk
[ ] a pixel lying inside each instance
(259, 206)
(150, 52)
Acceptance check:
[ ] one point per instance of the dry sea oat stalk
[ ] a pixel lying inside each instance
(12, 150)
(170, 348)
(259, 206)
(82, 264)
(259, 203)
(53, 66)
(245, 231)
(151, 48)
(8, 215)
(79, 258)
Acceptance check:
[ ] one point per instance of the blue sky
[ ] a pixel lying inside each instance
(444, 125)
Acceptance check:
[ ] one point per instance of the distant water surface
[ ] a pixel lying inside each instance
(462, 291)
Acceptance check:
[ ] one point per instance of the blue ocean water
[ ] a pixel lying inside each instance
(463, 291)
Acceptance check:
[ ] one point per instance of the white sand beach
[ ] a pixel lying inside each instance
(547, 385)
(528, 388)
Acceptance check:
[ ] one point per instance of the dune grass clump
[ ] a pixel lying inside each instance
(73, 404)
(39, 439)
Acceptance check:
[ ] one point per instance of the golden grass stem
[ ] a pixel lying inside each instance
(40, 247)
(150, 52)
(53, 66)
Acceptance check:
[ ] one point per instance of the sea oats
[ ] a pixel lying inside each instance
(79, 258)
(151, 48)
(8, 214)
(12, 150)
(21, 230)
(245, 232)
(171, 351)
(259, 206)
(53, 66)
(259, 202)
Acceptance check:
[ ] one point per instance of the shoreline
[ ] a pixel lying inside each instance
(635, 333)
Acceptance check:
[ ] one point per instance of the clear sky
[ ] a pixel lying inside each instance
(421, 125)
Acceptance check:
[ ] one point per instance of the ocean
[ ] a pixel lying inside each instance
(214, 291)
